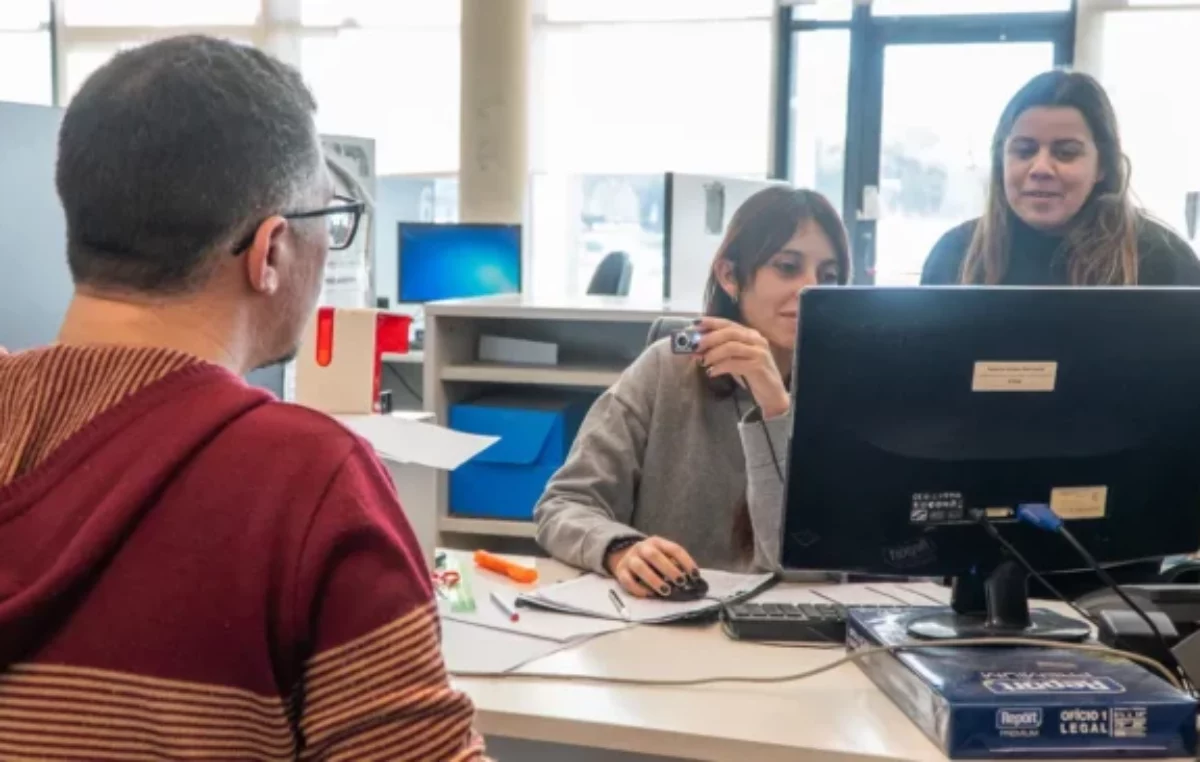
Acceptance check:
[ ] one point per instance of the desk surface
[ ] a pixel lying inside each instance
(837, 716)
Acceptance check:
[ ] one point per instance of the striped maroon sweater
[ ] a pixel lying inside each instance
(191, 569)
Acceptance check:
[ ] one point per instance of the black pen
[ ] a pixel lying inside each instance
(619, 604)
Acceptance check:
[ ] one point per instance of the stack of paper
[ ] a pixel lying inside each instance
(589, 595)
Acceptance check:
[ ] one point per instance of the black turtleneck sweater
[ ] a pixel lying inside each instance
(1039, 259)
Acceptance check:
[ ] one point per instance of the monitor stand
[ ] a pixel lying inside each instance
(996, 606)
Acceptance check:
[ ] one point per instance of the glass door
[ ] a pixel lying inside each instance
(821, 73)
(940, 106)
(890, 106)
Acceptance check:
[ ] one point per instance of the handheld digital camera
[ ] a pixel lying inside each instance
(685, 342)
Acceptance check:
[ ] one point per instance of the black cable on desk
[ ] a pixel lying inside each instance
(1042, 517)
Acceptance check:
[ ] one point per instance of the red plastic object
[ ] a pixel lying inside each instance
(391, 337)
(324, 336)
(391, 333)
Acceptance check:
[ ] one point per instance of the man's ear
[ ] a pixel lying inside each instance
(723, 269)
(264, 255)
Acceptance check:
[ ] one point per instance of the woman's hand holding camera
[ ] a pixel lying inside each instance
(651, 567)
(732, 349)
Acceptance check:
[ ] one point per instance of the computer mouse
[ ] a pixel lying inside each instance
(692, 590)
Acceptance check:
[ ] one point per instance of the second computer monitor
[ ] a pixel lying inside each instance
(457, 261)
(917, 412)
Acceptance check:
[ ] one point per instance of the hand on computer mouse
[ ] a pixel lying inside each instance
(732, 349)
(654, 565)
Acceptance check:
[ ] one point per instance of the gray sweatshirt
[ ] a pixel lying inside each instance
(660, 454)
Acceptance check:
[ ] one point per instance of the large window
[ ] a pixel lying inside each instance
(397, 84)
(93, 31)
(83, 58)
(822, 79)
(624, 11)
(383, 70)
(1151, 96)
(948, 7)
(388, 71)
(624, 91)
(935, 160)
(377, 13)
(130, 13)
(842, 10)
(653, 96)
(25, 52)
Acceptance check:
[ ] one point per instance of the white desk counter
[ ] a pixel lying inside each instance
(837, 716)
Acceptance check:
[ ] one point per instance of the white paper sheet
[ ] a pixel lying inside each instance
(470, 648)
(546, 625)
(406, 441)
(589, 595)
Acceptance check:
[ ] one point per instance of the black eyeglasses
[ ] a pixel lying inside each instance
(342, 217)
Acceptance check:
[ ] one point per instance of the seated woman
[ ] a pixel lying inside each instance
(656, 482)
(1059, 210)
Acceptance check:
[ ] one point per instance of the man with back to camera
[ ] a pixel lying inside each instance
(187, 564)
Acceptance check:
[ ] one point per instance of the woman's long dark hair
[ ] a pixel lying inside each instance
(759, 230)
(1102, 241)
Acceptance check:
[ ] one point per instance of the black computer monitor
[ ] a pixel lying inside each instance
(916, 408)
(457, 261)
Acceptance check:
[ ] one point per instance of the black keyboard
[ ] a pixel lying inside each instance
(793, 622)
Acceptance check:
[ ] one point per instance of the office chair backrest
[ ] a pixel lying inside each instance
(664, 326)
(612, 275)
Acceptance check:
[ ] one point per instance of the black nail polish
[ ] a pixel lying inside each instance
(664, 590)
(680, 581)
(695, 574)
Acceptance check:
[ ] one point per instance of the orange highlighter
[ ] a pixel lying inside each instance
(515, 572)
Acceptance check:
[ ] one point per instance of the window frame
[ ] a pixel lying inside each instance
(870, 36)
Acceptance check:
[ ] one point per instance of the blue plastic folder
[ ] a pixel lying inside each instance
(506, 480)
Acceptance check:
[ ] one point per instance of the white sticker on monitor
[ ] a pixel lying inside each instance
(936, 508)
(1014, 376)
(1073, 503)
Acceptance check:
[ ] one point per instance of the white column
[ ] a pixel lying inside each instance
(494, 142)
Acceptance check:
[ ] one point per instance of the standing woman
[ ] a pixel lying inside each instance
(1059, 210)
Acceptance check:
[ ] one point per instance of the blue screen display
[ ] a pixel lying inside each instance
(458, 261)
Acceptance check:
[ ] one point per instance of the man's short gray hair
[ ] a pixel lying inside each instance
(175, 149)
